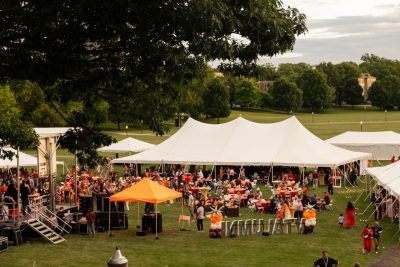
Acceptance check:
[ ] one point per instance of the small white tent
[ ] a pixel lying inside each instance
(382, 145)
(24, 160)
(242, 142)
(127, 145)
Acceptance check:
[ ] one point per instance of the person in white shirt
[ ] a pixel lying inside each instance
(200, 217)
(191, 203)
(200, 174)
(258, 194)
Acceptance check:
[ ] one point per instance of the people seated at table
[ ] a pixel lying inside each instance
(326, 200)
(258, 194)
(286, 209)
(298, 205)
(314, 199)
(280, 213)
(274, 203)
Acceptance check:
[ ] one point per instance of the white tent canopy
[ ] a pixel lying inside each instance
(388, 177)
(127, 145)
(24, 160)
(382, 145)
(242, 142)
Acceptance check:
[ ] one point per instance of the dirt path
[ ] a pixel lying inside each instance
(390, 258)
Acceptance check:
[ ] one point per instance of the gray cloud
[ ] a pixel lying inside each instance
(347, 39)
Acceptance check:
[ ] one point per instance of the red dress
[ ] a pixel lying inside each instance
(367, 238)
(350, 221)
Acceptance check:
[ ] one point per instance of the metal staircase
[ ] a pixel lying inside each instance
(41, 228)
(46, 223)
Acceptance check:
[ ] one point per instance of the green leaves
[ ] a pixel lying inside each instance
(385, 93)
(216, 99)
(13, 132)
(246, 93)
(84, 142)
(317, 94)
(135, 56)
(286, 95)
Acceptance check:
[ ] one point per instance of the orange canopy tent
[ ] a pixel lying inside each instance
(146, 191)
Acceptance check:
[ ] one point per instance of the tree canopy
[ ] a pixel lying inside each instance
(144, 51)
(247, 93)
(286, 95)
(12, 130)
(317, 94)
(216, 99)
(385, 93)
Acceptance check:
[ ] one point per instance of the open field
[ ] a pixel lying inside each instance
(189, 248)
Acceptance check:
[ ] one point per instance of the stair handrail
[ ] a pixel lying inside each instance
(40, 213)
(12, 202)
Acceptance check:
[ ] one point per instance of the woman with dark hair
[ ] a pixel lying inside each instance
(367, 238)
(350, 220)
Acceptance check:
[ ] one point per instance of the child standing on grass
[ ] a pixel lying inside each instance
(341, 220)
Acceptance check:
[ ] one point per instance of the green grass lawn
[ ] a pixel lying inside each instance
(189, 248)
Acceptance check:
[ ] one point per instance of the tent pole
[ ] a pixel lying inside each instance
(215, 172)
(182, 206)
(18, 182)
(76, 180)
(138, 215)
(272, 172)
(156, 222)
(109, 218)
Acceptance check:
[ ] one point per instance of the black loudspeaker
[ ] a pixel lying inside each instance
(103, 204)
(85, 203)
(149, 223)
(119, 220)
(3, 243)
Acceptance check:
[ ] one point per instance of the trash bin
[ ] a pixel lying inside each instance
(117, 260)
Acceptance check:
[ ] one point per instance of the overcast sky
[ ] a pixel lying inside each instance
(344, 30)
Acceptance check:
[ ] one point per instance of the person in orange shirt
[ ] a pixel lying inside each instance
(67, 188)
(166, 183)
(221, 172)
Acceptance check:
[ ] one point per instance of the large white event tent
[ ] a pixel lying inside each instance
(382, 145)
(388, 177)
(127, 145)
(241, 142)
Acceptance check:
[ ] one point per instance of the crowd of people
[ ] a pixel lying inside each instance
(231, 187)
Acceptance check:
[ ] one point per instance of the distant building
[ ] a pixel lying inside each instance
(264, 85)
(365, 81)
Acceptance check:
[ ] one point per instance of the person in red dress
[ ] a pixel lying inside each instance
(350, 220)
(367, 238)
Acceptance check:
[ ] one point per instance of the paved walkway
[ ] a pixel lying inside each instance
(389, 258)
